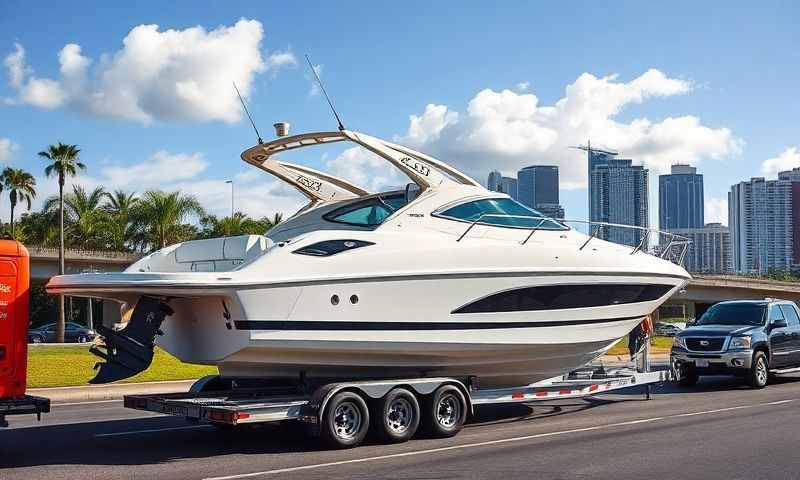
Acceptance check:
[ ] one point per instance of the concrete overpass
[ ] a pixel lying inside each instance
(705, 290)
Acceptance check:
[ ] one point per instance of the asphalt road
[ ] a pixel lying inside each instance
(717, 430)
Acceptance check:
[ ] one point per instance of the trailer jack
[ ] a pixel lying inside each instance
(130, 350)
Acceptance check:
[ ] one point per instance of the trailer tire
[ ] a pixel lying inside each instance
(345, 421)
(444, 412)
(396, 416)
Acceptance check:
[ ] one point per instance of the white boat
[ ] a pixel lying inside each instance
(444, 278)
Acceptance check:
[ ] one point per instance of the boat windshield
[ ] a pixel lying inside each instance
(503, 212)
(369, 212)
(734, 314)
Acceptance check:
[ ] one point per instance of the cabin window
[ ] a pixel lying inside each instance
(554, 297)
(367, 213)
(501, 212)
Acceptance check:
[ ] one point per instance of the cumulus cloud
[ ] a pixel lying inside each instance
(716, 210)
(162, 167)
(786, 160)
(523, 86)
(7, 148)
(156, 75)
(506, 130)
(365, 169)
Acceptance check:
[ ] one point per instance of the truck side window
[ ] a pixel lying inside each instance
(791, 315)
(775, 313)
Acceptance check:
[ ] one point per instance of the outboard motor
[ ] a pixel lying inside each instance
(129, 351)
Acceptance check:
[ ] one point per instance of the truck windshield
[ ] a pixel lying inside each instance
(734, 314)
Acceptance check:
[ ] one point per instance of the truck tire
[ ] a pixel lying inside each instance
(396, 416)
(758, 376)
(345, 421)
(444, 412)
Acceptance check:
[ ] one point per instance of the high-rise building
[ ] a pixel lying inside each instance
(508, 185)
(709, 250)
(595, 157)
(493, 182)
(552, 210)
(538, 184)
(763, 216)
(680, 198)
(619, 195)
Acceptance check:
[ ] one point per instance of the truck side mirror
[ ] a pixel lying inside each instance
(778, 323)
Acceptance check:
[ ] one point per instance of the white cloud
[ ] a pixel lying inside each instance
(156, 75)
(162, 167)
(716, 210)
(7, 148)
(507, 130)
(314, 90)
(786, 160)
(523, 86)
(365, 170)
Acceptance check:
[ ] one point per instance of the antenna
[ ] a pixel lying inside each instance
(258, 135)
(322, 87)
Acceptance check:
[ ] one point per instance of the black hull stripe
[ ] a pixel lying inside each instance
(296, 325)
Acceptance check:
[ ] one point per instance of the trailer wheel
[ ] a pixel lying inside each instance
(345, 420)
(444, 412)
(396, 416)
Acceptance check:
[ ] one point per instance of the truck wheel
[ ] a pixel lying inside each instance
(688, 378)
(397, 416)
(758, 375)
(444, 412)
(345, 421)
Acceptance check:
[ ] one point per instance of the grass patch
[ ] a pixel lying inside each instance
(56, 366)
(657, 345)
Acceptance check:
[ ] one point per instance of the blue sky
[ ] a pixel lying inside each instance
(713, 83)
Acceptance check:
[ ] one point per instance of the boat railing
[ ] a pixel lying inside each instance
(666, 245)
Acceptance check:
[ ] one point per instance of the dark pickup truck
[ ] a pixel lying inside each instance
(753, 339)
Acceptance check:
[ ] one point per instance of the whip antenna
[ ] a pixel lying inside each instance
(322, 87)
(258, 135)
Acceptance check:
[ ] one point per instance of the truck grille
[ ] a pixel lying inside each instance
(713, 344)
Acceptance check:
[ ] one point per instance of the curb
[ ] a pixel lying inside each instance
(92, 393)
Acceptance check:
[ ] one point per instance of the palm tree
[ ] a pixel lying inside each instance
(85, 219)
(159, 218)
(21, 187)
(64, 162)
(119, 206)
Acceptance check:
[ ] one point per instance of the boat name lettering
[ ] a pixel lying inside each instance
(311, 184)
(418, 167)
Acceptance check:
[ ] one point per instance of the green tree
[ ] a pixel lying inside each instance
(21, 187)
(119, 206)
(64, 162)
(38, 228)
(85, 219)
(159, 218)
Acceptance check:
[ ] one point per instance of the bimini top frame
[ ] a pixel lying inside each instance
(319, 187)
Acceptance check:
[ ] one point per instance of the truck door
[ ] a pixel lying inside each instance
(793, 330)
(778, 338)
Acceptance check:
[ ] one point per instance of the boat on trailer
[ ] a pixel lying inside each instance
(443, 278)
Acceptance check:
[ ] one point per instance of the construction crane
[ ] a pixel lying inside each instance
(588, 148)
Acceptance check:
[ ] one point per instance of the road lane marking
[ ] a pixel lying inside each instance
(497, 442)
(135, 432)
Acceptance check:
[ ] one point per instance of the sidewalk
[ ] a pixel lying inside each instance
(93, 393)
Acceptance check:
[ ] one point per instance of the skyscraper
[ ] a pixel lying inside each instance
(619, 195)
(538, 184)
(595, 157)
(763, 216)
(509, 185)
(709, 250)
(680, 198)
(493, 182)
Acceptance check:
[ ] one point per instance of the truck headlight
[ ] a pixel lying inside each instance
(679, 342)
(739, 343)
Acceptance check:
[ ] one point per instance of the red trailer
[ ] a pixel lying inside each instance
(14, 297)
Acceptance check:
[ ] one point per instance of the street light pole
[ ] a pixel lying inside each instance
(231, 182)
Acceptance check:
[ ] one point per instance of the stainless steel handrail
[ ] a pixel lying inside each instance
(674, 241)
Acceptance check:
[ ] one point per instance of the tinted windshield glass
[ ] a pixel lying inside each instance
(503, 212)
(368, 213)
(734, 314)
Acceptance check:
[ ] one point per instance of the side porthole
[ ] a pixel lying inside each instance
(335, 300)
(353, 299)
